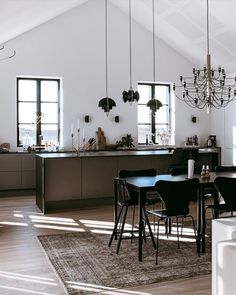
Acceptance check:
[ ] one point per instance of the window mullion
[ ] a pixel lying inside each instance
(38, 117)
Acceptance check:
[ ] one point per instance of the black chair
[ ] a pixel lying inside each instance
(217, 204)
(226, 186)
(125, 200)
(150, 198)
(176, 196)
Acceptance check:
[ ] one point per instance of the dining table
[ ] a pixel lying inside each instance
(144, 184)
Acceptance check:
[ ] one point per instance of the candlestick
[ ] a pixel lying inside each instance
(83, 134)
(78, 130)
(72, 129)
(72, 142)
(78, 124)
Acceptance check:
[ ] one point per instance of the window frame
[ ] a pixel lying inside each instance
(153, 123)
(38, 105)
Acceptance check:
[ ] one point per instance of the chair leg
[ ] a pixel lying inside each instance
(122, 229)
(157, 244)
(182, 225)
(195, 234)
(114, 232)
(177, 221)
(132, 224)
(149, 228)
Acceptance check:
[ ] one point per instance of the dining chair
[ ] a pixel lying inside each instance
(125, 200)
(226, 186)
(151, 198)
(218, 200)
(176, 196)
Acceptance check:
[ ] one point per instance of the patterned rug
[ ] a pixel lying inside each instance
(86, 264)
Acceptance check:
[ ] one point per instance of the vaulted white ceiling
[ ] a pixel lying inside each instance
(179, 23)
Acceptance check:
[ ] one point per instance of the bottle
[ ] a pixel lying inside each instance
(203, 173)
(207, 172)
(146, 139)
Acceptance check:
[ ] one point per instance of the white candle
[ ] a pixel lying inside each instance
(72, 129)
(78, 124)
(83, 134)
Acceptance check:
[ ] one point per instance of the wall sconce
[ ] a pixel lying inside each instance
(194, 119)
(117, 119)
(86, 118)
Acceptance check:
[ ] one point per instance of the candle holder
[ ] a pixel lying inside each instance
(78, 143)
(72, 142)
(83, 143)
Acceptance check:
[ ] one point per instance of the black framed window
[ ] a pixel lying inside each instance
(154, 127)
(38, 111)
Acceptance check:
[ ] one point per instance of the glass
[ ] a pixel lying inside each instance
(49, 91)
(27, 112)
(143, 130)
(27, 90)
(49, 112)
(49, 134)
(144, 93)
(27, 134)
(162, 94)
(162, 115)
(144, 114)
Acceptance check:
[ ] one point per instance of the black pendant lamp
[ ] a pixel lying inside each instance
(130, 95)
(106, 103)
(154, 104)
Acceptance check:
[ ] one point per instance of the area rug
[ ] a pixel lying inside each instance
(86, 265)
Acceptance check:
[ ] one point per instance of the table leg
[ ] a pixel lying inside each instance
(199, 221)
(140, 228)
(203, 217)
(115, 204)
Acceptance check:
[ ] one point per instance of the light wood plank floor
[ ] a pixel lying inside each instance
(24, 268)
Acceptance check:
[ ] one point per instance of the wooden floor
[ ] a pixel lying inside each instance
(24, 268)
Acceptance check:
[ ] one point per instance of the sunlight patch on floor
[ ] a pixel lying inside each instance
(59, 227)
(27, 278)
(103, 289)
(13, 223)
(24, 291)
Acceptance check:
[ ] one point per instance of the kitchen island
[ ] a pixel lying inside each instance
(69, 180)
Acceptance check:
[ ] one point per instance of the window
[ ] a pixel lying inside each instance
(152, 127)
(38, 111)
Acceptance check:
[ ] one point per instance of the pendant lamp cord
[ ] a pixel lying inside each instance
(106, 56)
(106, 46)
(208, 46)
(153, 40)
(130, 49)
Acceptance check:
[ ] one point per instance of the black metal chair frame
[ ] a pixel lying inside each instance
(176, 196)
(226, 187)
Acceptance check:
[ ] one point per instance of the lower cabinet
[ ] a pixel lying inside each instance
(17, 171)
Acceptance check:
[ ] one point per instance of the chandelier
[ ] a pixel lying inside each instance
(130, 95)
(207, 87)
(154, 104)
(106, 103)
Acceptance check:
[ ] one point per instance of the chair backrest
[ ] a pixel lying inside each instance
(227, 188)
(177, 194)
(123, 195)
(131, 173)
(225, 169)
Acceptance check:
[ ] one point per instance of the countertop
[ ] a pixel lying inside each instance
(116, 153)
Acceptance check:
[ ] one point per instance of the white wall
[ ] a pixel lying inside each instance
(72, 47)
(223, 124)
